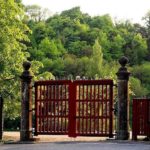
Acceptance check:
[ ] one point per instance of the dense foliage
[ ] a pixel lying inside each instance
(74, 44)
(67, 45)
(12, 53)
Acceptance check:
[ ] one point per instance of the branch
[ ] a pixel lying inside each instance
(7, 79)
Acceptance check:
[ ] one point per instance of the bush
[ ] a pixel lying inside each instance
(12, 124)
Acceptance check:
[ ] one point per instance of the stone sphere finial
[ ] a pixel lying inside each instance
(123, 61)
(26, 65)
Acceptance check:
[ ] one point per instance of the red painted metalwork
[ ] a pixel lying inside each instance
(72, 111)
(94, 115)
(51, 106)
(78, 108)
(141, 117)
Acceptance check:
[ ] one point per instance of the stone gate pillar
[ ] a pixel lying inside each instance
(123, 107)
(26, 103)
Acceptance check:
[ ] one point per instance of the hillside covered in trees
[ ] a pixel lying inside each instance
(67, 45)
(75, 44)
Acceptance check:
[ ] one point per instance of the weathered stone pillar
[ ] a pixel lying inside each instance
(123, 107)
(1, 117)
(26, 103)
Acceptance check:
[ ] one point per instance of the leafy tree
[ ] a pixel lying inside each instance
(74, 13)
(47, 63)
(70, 65)
(49, 48)
(73, 43)
(36, 13)
(96, 60)
(36, 54)
(46, 76)
(102, 22)
(137, 88)
(146, 18)
(76, 47)
(83, 65)
(134, 47)
(90, 36)
(138, 28)
(58, 68)
(39, 33)
(137, 50)
(105, 45)
(109, 70)
(142, 72)
(12, 53)
(81, 27)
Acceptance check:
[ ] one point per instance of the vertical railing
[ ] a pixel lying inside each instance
(36, 111)
(111, 102)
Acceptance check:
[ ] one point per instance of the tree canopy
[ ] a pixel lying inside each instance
(66, 45)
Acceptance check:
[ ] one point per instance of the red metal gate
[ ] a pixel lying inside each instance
(52, 107)
(141, 117)
(78, 108)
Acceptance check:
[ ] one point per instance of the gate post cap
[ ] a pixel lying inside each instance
(26, 65)
(26, 74)
(123, 61)
(123, 73)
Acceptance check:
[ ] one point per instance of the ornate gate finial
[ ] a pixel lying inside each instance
(123, 73)
(123, 61)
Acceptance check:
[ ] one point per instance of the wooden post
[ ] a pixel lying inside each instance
(1, 117)
(26, 103)
(123, 107)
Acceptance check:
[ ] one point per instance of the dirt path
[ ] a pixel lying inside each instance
(15, 136)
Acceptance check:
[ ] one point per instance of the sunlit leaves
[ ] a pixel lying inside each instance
(12, 53)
